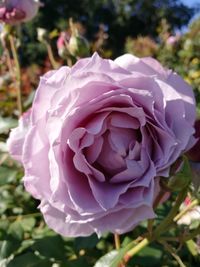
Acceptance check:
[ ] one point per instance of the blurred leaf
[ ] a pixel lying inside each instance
(24, 245)
(7, 175)
(29, 260)
(149, 256)
(50, 247)
(194, 224)
(86, 242)
(3, 147)
(7, 247)
(192, 247)
(16, 231)
(182, 178)
(6, 124)
(81, 262)
(28, 224)
(107, 259)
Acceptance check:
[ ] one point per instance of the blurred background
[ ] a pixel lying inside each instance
(168, 30)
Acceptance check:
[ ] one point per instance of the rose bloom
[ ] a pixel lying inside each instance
(97, 139)
(17, 11)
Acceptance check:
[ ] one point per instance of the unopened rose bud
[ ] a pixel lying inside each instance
(194, 153)
(14, 12)
(78, 46)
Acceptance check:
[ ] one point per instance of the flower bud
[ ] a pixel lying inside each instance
(78, 46)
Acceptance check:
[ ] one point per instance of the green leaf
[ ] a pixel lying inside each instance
(149, 256)
(7, 175)
(3, 147)
(80, 262)
(8, 247)
(192, 247)
(16, 231)
(29, 260)
(107, 259)
(181, 179)
(28, 224)
(114, 257)
(86, 242)
(6, 124)
(50, 247)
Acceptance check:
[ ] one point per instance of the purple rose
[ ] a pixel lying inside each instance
(99, 136)
(17, 11)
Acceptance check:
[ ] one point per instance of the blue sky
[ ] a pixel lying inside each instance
(190, 2)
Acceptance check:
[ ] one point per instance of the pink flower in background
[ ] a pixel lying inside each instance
(17, 11)
(99, 136)
(172, 40)
(62, 44)
(191, 215)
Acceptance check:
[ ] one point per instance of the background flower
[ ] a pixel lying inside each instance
(100, 134)
(17, 11)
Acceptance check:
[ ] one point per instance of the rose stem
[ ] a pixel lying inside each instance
(169, 219)
(8, 61)
(51, 56)
(69, 62)
(161, 228)
(155, 204)
(137, 248)
(171, 251)
(190, 206)
(192, 234)
(18, 74)
(117, 241)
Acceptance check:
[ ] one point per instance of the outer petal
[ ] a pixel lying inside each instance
(62, 224)
(17, 137)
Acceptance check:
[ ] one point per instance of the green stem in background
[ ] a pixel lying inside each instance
(170, 217)
(69, 62)
(190, 206)
(51, 56)
(150, 226)
(8, 60)
(13, 218)
(173, 253)
(18, 74)
(165, 224)
(117, 241)
(192, 235)
(137, 248)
